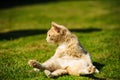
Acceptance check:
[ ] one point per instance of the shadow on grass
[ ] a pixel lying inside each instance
(14, 3)
(20, 33)
(11, 35)
(98, 65)
(94, 78)
(88, 30)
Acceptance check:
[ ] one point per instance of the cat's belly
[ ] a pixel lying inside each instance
(71, 62)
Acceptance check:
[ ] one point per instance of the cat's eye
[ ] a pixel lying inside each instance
(49, 35)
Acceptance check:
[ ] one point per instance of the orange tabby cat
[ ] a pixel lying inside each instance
(69, 58)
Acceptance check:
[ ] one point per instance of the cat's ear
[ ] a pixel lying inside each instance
(56, 27)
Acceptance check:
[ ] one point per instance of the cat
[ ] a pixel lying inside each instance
(70, 57)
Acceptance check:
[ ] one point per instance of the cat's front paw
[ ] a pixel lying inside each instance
(33, 63)
(36, 64)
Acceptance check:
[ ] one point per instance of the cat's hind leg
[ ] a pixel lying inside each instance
(92, 69)
(35, 64)
(89, 70)
(55, 73)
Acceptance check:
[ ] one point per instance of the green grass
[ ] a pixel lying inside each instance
(23, 37)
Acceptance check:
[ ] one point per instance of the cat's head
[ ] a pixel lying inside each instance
(56, 33)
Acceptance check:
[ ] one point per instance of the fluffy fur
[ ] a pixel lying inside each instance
(69, 58)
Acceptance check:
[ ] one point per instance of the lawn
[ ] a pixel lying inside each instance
(23, 31)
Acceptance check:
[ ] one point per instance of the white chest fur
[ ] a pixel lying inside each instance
(60, 50)
(62, 46)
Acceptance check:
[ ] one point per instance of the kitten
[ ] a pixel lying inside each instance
(69, 58)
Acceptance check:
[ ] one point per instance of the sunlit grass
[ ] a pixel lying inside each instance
(96, 23)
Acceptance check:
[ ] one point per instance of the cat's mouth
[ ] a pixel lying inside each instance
(49, 41)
